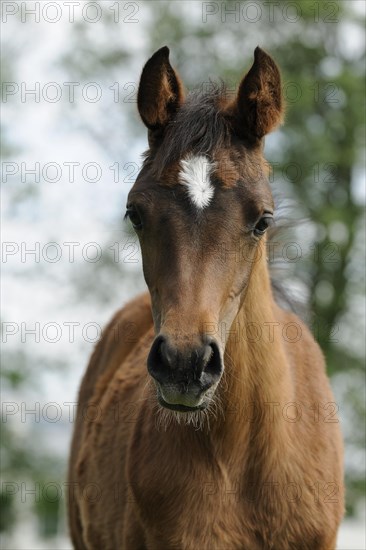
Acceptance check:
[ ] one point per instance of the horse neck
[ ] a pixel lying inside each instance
(257, 372)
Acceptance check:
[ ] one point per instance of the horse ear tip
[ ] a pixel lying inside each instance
(264, 58)
(164, 51)
(258, 53)
(158, 57)
(160, 54)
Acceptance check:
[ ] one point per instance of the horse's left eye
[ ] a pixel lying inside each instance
(263, 225)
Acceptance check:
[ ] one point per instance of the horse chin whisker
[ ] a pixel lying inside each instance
(199, 420)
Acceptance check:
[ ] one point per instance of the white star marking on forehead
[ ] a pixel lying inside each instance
(195, 175)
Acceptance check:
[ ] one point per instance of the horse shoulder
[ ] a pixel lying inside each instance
(120, 337)
(311, 418)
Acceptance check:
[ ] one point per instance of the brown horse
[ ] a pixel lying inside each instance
(228, 439)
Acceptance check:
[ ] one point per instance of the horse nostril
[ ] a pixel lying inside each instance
(207, 355)
(213, 365)
(166, 354)
(157, 364)
(200, 358)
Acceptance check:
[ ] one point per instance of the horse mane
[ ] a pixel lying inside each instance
(280, 234)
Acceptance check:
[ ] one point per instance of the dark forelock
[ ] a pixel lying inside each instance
(199, 127)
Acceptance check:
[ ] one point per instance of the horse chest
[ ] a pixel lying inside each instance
(189, 504)
(192, 515)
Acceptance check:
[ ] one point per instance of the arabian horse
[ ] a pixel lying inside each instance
(205, 419)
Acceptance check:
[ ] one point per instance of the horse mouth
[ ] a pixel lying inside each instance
(179, 407)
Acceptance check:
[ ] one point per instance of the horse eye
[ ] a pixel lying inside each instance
(262, 225)
(134, 217)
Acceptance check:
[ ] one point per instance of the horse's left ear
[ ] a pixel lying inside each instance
(258, 107)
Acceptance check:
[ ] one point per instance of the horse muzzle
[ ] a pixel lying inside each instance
(187, 378)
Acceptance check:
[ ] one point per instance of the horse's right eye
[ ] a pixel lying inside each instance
(134, 217)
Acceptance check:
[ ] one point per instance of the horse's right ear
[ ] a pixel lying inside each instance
(160, 92)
